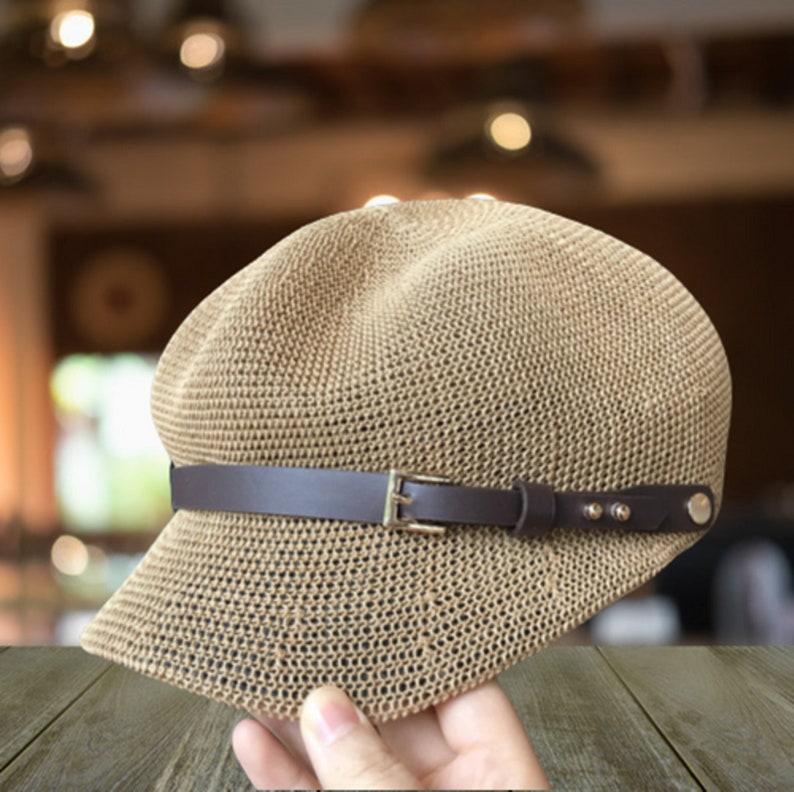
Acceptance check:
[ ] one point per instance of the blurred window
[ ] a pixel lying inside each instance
(111, 471)
(112, 491)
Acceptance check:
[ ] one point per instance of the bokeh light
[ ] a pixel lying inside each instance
(482, 196)
(202, 50)
(16, 153)
(509, 131)
(69, 555)
(73, 29)
(381, 200)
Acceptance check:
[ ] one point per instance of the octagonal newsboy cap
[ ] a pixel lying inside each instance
(412, 445)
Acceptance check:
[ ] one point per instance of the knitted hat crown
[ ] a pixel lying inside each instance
(479, 340)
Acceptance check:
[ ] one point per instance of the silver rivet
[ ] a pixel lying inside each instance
(593, 511)
(699, 508)
(621, 512)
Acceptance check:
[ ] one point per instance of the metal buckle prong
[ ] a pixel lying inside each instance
(395, 497)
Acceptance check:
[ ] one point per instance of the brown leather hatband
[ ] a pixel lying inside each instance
(417, 502)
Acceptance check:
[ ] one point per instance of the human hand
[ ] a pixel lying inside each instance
(472, 741)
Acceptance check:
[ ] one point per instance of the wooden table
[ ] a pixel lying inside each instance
(611, 719)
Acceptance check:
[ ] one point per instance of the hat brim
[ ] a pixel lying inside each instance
(256, 611)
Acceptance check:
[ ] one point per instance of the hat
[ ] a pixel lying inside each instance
(566, 395)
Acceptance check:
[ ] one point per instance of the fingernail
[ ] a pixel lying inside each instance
(330, 714)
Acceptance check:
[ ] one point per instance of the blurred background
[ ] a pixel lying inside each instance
(151, 148)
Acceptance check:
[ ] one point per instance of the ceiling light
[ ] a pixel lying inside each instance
(509, 131)
(381, 200)
(202, 49)
(16, 154)
(72, 29)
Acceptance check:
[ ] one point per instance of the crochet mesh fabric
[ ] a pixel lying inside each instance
(480, 340)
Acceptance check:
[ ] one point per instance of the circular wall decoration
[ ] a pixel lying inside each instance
(119, 299)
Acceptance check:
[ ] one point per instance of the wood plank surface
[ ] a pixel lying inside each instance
(129, 732)
(37, 686)
(204, 759)
(728, 712)
(588, 731)
(621, 718)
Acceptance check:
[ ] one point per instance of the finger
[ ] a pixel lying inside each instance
(481, 716)
(267, 763)
(345, 749)
(287, 732)
(417, 741)
(484, 718)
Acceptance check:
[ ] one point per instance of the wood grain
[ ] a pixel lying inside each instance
(728, 712)
(128, 732)
(204, 758)
(37, 686)
(588, 731)
(621, 718)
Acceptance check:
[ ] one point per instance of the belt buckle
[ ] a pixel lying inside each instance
(395, 498)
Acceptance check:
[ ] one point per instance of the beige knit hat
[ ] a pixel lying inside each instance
(570, 390)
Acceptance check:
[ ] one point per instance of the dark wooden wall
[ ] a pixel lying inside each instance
(734, 254)
(736, 257)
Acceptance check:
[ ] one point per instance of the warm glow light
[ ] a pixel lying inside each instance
(482, 196)
(509, 131)
(69, 555)
(73, 29)
(201, 50)
(16, 153)
(381, 200)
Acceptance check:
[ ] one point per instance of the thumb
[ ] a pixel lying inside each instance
(345, 749)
